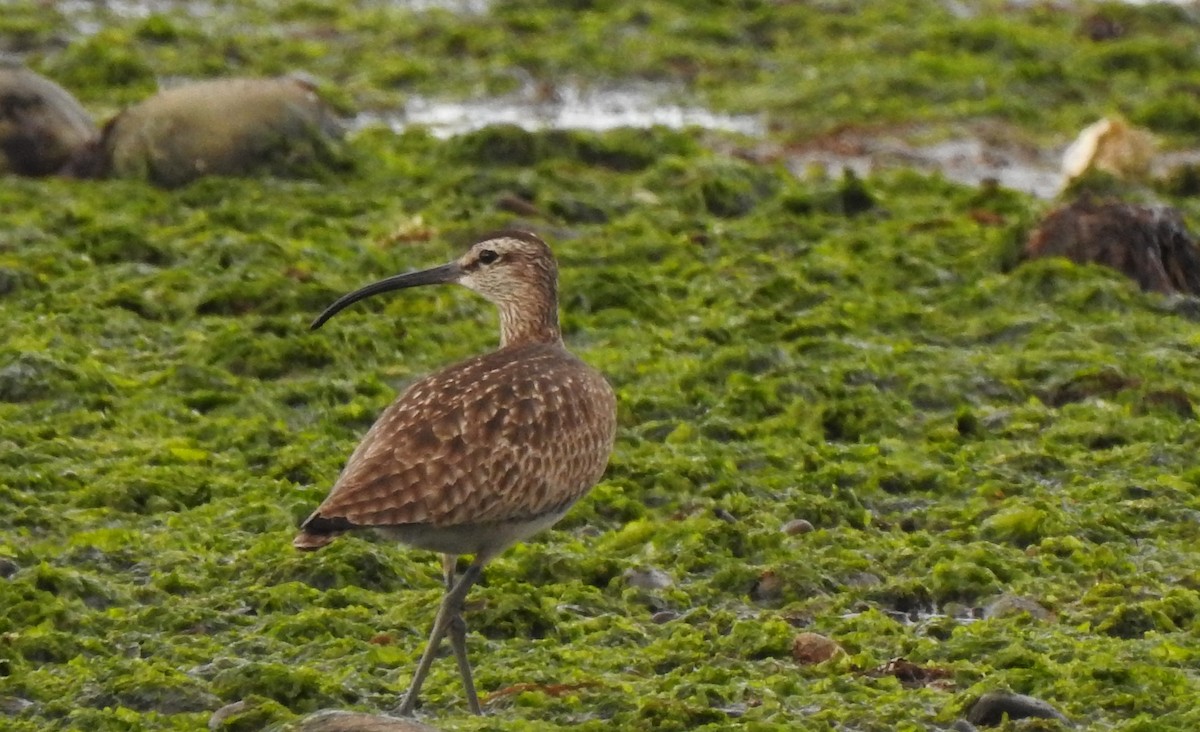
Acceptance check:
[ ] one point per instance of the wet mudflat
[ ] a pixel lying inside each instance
(844, 412)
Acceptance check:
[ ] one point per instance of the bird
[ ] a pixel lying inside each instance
(483, 453)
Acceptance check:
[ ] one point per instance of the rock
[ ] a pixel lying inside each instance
(963, 725)
(11, 706)
(664, 616)
(332, 720)
(648, 579)
(991, 709)
(518, 205)
(1009, 605)
(813, 648)
(768, 587)
(251, 713)
(725, 516)
(26, 378)
(1105, 382)
(1111, 146)
(41, 125)
(797, 526)
(8, 567)
(222, 127)
(1150, 244)
(1101, 27)
(13, 279)
(219, 717)
(863, 580)
(1172, 401)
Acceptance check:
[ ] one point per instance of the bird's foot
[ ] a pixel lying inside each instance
(408, 705)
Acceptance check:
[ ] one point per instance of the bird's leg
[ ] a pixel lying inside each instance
(449, 568)
(458, 638)
(451, 608)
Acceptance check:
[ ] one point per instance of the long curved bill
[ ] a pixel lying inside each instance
(434, 276)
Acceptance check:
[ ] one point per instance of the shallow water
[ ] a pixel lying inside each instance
(89, 17)
(966, 159)
(463, 7)
(566, 107)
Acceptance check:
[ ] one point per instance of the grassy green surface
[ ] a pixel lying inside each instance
(857, 354)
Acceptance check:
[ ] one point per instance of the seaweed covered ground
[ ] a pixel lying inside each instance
(862, 355)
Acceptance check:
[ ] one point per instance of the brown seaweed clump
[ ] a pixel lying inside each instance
(219, 127)
(41, 125)
(1150, 244)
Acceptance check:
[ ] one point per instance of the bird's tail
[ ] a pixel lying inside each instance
(307, 542)
(318, 530)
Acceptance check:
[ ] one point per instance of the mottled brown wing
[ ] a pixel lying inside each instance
(509, 435)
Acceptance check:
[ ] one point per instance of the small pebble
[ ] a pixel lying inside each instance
(648, 579)
(991, 708)
(797, 526)
(812, 648)
(663, 616)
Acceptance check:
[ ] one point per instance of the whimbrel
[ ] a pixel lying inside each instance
(485, 452)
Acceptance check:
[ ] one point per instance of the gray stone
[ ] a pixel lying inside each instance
(991, 709)
(1009, 605)
(42, 127)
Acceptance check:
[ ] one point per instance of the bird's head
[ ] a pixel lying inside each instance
(513, 269)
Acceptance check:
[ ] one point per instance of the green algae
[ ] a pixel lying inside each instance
(181, 454)
(856, 352)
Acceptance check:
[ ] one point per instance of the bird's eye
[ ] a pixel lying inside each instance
(487, 256)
